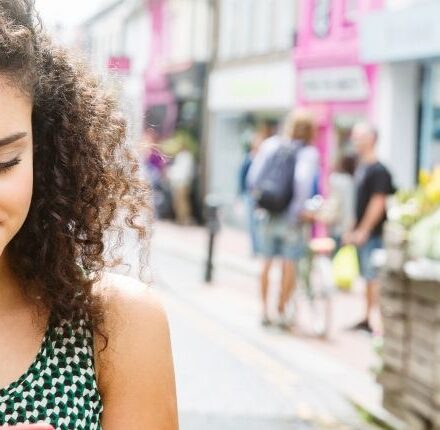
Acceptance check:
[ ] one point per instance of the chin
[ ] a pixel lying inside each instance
(3, 248)
(2, 252)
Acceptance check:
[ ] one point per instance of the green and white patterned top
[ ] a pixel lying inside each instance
(59, 387)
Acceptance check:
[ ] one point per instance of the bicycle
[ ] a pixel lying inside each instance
(316, 283)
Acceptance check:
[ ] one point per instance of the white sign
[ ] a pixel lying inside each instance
(334, 84)
(255, 87)
(401, 35)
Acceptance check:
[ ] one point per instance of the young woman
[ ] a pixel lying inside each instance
(79, 350)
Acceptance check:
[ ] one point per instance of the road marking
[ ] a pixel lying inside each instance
(269, 368)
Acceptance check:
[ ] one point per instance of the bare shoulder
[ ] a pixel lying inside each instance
(135, 368)
(127, 300)
(134, 317)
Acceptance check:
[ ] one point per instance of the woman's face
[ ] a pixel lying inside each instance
(16, 171)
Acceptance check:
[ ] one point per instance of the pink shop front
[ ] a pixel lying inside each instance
(332, 82)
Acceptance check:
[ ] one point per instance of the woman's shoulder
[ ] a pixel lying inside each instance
(113, 286)
(133, 319)
(135, 368)
(128, 303)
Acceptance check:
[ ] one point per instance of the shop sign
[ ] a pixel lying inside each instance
(321, 18)
(256, 87)
(121, 64)
(334, 84)
(402, 35)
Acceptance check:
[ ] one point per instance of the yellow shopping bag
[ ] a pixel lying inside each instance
(346, 267)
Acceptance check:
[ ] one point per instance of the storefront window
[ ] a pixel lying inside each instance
(429, 153)
(435, 136)
(262, 26)
(284, 24)
(257, 27)
(351, 11)
(343, 123)
(243, 13)
(155, 118)
(227, 29)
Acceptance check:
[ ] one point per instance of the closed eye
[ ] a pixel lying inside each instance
(4, 167)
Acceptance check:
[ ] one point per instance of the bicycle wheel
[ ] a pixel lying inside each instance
(320, 295)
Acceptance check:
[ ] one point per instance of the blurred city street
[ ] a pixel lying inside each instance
(233, 374)
(308, 132)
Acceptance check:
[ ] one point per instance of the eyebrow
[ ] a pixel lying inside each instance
(12, 138)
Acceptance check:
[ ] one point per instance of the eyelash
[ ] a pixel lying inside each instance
(4, 167)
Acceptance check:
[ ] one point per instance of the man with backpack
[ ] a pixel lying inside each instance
(281, 180)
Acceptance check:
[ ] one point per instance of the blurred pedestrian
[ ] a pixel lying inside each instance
(264, 130)
(373, 184)
(282, 179)
(338, 209)
(153, 162)
(67, 178)
(181, 175)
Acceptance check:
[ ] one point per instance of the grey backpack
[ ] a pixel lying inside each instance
(274, 187)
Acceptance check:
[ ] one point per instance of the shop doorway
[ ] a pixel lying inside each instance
(342, 145)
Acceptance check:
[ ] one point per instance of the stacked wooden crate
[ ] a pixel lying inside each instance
(422, 394)
(411, 354)
(394, 307)
(394, 302)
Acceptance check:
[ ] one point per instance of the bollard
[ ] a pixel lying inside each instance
(212, 206)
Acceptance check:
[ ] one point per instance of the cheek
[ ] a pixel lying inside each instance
(24, 190)
(15, 199)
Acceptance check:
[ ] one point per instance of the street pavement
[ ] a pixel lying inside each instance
(233, 374)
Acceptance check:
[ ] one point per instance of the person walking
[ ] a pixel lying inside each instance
(373, 184)
(282, 179)
(181, 175)
(264, 130)
(98, 343)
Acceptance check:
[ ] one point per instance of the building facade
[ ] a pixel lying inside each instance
(117, 43)
(176, 73)
(102, 36)
(252, 79)
(155, 54)
(333, 82)
(176, 79)
(404, 38)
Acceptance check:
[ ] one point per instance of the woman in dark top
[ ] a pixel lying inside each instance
(79, 349)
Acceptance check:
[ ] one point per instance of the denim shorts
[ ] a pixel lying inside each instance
(280, 239)
(368, 271)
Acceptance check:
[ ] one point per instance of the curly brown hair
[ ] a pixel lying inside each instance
(85, 178)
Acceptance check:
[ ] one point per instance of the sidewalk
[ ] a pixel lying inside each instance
(348, 355)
